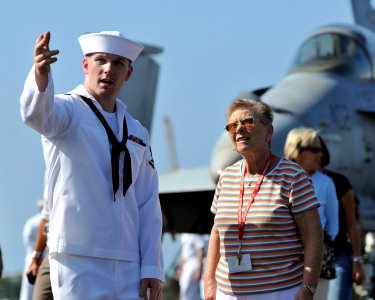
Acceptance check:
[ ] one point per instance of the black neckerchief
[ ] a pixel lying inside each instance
(117, 148)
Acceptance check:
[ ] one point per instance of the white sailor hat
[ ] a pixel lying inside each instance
(112, 42)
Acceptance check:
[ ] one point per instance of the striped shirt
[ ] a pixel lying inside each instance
(270, 235)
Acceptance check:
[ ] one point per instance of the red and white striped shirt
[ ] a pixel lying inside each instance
(270, 235)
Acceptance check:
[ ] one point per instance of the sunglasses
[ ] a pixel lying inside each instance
(247, 123)
(311, 149)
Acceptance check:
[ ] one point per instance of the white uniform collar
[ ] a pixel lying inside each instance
(120, 106)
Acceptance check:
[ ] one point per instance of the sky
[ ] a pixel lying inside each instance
(212, 50)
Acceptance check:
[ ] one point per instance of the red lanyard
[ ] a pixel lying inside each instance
(242, 216)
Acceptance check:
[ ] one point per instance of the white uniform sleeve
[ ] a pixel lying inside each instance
(147, 194)
(41, 111)
(332, 210)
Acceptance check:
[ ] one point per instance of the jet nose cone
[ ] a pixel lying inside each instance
(282, 124)
(222, 156)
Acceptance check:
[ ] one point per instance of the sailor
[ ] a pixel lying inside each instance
(102, 186)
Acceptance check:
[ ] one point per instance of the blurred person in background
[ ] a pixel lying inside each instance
(39, 267)
(190, 269)
(303, 146)
(347, 244)
(29, 236)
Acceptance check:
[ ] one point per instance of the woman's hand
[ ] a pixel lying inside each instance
(358, 274)
(210, 286)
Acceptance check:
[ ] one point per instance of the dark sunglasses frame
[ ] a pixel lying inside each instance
(311, 149)
(248, 123)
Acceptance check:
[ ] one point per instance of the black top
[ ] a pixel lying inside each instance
(342, 185)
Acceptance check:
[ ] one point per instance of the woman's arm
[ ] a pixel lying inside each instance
(212, 260)
(39, 246)
(348, 200)
(310, 229)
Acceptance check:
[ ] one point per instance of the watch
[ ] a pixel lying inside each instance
(36, 254)
(358, 259)
(312, 289)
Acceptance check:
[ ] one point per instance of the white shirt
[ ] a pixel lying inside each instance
(84, 218)
(329, 205)
(191, 243)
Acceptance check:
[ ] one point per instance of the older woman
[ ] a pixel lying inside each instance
(304, 147)
(266, 242)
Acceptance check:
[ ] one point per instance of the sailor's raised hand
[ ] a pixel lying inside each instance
(43, 56)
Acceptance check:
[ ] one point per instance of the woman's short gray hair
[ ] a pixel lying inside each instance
(261, 109)
(298, 138)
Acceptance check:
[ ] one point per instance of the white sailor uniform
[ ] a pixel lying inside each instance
(84, 218)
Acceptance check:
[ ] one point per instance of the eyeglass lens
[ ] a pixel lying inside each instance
(312, 149)
(248, 122)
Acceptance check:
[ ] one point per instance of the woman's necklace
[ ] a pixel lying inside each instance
(252, 179)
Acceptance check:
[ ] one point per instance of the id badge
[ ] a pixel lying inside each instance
(236, 266)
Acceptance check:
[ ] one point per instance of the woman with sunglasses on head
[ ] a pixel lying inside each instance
(266, 241)
(303, 146)
(347, 244)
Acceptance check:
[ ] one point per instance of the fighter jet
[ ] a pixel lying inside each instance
(141, 89)
(330, 86)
